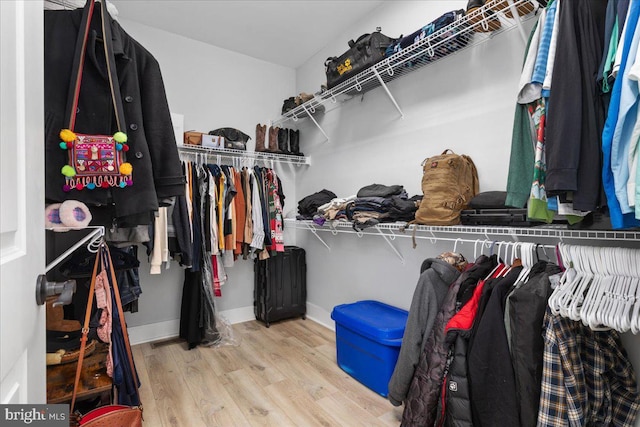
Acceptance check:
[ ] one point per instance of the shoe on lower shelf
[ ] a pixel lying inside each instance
(523, 8)
(483, 19)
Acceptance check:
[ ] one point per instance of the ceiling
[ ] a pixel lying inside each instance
(284, 32)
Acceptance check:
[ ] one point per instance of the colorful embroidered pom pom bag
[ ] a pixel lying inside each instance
(95, 161)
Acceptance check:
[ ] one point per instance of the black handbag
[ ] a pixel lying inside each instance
(363, 53)
(233, 138)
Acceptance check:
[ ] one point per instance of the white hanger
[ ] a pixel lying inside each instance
(526, 260)
(594, 299)
(475, 249)
(565, 280)
(629, 290)
(634, 256)
(590, 283)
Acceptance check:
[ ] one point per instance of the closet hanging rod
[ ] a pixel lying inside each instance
(490, 232)
(408, 235)
(92, 240)
(232, 153)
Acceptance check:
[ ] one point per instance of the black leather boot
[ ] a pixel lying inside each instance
(294, 142)
(283, 141)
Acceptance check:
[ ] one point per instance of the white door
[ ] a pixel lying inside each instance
(22, 247)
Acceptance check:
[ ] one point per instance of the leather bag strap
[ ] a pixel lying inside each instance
(103, 256)
(79, 60)
(85, 327)
(125, 333)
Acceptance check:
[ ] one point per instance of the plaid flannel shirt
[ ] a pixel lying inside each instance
(587, 379)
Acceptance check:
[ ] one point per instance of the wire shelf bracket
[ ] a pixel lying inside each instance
(388, 240)
(92, 240)
(315, 122)
(388, 92)
(312, 229)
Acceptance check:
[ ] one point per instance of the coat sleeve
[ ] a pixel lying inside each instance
(167, 172)
(424, 307)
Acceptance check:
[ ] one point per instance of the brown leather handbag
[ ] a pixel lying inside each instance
(109, 415)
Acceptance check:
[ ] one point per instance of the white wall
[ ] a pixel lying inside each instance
(464, 102)
(212, 88)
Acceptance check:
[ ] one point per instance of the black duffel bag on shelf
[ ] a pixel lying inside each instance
(363, 53)
(233, 138)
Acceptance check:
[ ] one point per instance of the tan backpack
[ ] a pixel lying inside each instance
(449, 181)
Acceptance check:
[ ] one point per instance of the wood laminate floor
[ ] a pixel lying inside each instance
(285, 375)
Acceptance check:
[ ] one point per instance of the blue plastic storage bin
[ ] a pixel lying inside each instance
(368, 339)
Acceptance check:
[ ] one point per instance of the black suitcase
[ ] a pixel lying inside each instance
(281, 286)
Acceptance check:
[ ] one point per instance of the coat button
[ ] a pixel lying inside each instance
(139, 155)
(128, 98)
(133, 126)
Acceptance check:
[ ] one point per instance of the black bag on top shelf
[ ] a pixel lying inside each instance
(362, 54)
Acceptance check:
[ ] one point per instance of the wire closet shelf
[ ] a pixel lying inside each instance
(251, 155)
(451, 39)
(489, 232)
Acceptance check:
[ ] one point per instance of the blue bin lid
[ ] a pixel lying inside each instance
(373, 319)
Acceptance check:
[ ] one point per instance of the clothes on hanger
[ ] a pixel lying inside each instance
(435, 277)
(227, 214)
(590, 98)
(620, 136)
(79, 267)
(422, 397)
(587, 378)
(501, 350)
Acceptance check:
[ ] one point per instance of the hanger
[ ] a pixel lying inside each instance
(565, 280)
(582, 285)
(594, 300)
(475, 249)
(525, 259)
(635, 297)
(497, 267)
(455, 245)
(627, 293)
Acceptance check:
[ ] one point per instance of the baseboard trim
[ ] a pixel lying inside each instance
(171, 328)
(320, 315)
(154, 331)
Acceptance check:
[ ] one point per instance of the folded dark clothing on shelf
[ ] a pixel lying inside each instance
(380, 190)
(308, 206)
(404, 209)
(373, 200)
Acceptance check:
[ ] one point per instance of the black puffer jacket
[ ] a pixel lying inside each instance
(454, 405)
(422, 399)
